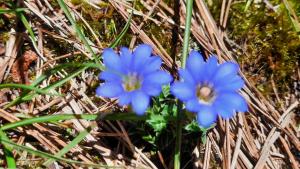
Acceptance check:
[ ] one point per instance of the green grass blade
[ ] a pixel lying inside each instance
(26, 87)
(52, 118)
(11, 163)
(54, 70)
(64, 80)
(67, 148)
(26, 96)
(4, 11)
(30, 96)
(48, 118)
(7, 142)
(77, 29)
(75, 64)
(123, 32)
(292, 16)
(28, 27)
(248, 3)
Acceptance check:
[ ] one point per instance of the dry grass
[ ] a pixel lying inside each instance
(264, 137)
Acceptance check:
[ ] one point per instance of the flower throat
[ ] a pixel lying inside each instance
(205, 94)
(131, 82)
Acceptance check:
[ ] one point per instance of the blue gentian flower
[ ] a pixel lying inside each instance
(133, 77)
(210, 89)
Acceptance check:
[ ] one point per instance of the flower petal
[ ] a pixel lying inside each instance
(153, 64)
(141, 55)
(225, 70)
(210, 68)
(206, 116)
(140, 102)
(232, 100)
(111, 60)
(157, 78)
(152, 90)
(183, 91)
(224, 111)
(109, 89)
(193, 105)
(126, 57)
(233, 83)
(195, 64)
(110, 77)
(195, 58)
(124, 99)
(186, 76)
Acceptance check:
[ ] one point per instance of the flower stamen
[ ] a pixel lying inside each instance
(205, 94)
(131, 82)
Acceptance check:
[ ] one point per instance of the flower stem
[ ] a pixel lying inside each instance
(187, 32)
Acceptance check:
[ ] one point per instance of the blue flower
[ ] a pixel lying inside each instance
(210, 89)
(133, 77)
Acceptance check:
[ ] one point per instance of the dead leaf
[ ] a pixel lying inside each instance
(21, 66)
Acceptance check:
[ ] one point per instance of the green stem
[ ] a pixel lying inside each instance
(187, 32)
(178, 136)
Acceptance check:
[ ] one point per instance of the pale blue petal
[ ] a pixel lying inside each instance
(140, 102)
(183, 91)
(110, 77)
(124, 98)
(195, 64)
(233, 101)
(193, 105)
(126, 57)
(152, 65)
(210, 68)
(141, 55)
(223, 110)
(111, 60)
(109, 90)
(186, 76)
(206, 116)
(233, 83)
(195, 58)
(157, 78)
(152, 90)
(225, 70)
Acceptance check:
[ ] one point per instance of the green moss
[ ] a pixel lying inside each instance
(270, 40)
(163, 36)
(4, 36)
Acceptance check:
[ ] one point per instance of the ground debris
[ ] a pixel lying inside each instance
(21, 66)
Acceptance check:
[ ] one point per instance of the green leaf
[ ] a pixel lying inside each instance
(157, 122)
(193, 127)
(166, 90)
(150, 139)
(203, 137)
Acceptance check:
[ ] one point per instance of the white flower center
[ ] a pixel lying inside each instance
(131, 82)
(205, 94)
